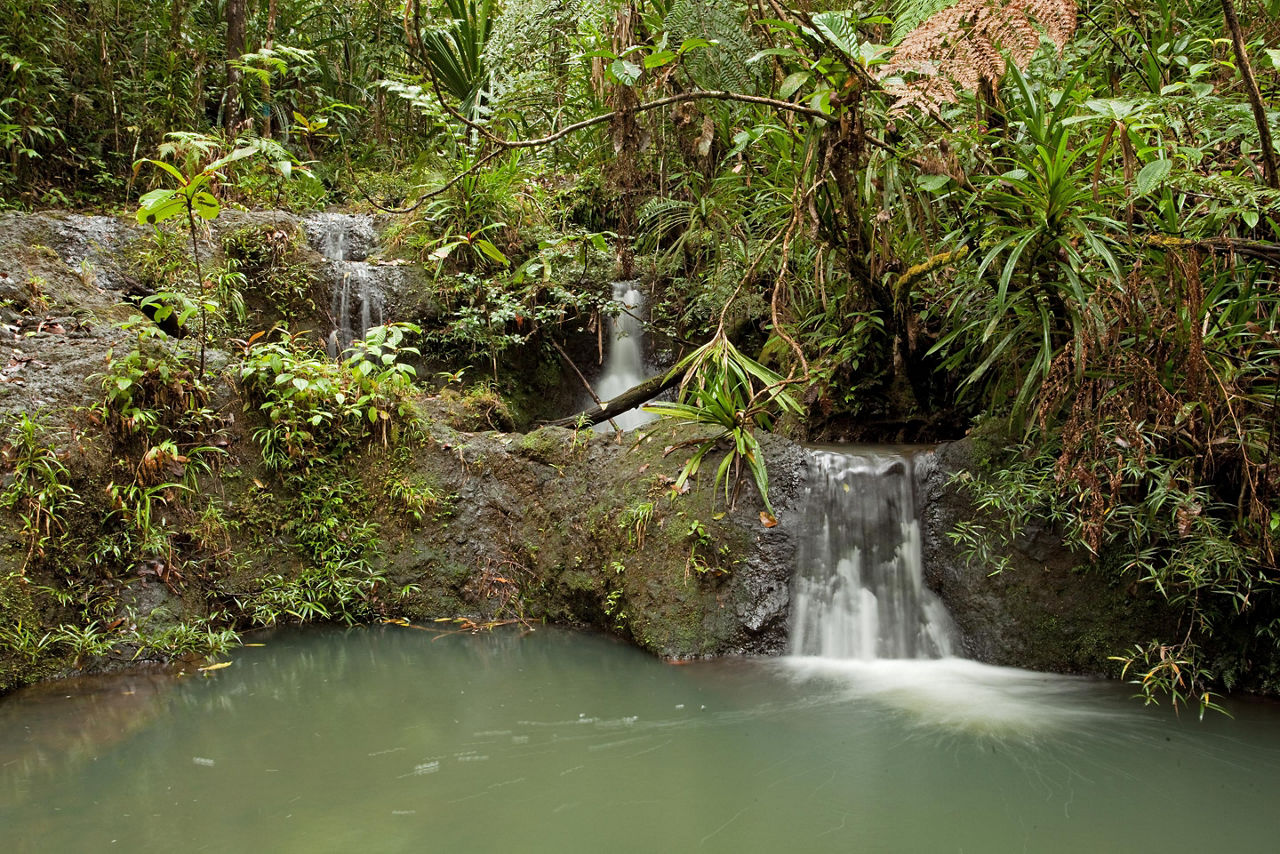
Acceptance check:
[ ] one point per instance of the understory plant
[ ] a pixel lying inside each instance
(725, 389)
(316, 407)
(39, 488)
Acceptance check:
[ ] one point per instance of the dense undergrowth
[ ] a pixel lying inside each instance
(1066, 227)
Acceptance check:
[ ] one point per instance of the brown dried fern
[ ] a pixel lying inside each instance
(963, 47)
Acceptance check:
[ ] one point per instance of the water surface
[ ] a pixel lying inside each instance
(395, 739)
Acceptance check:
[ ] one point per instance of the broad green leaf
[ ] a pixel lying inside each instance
(836, 27)
(693, 44)
(178, 176)
(792, 82)
(492, 252)
(1152, 175)
(160, 205)
(659, 58)
(932, 183)
(626, 71)
(238, 154)
(205, 206)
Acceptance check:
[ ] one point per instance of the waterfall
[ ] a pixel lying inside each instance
(859, 589)
(624, 365)
(357, 299)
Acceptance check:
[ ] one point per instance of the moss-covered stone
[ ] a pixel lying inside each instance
(1048, 609)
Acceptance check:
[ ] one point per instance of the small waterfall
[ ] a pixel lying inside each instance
(859, 589)
(624, 365)
(358, 299)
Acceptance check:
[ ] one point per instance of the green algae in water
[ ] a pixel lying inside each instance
(394, 739)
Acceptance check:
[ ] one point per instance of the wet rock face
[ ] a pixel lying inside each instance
(342, 237)
(62, 289)
(542, 525)
(1050, 609)
(549, 513)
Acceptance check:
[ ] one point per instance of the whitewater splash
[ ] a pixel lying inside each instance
(859, 589)
(864, 621)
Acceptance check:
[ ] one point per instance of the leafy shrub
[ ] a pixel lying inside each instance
(316, 407)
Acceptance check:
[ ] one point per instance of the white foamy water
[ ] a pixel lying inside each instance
(962, 696)
(357, 299)
(624, 365)
(859, 588)
(864, 621)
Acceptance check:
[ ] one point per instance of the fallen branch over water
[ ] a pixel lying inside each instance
(629, 399)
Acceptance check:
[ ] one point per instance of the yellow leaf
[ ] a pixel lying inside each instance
(767, 519)
(217, 666)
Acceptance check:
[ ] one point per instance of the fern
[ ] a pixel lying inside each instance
(724, 64)
(964, 45)
(909, 14)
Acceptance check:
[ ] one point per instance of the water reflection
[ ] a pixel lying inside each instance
(70, 720)
(392, 740)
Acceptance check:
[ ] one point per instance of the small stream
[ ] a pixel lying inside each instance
(624, 366)
(357, 292)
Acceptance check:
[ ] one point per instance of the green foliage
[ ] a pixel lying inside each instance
(154, 392)
(39, 489)
(337, 545)
(635, 521)
(316, 407)
(1046, 251)
(455, 51)
(720, 26)
(725, 389)
(268, 259)
(1171, 672)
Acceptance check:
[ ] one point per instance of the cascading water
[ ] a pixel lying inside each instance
(357, 300)
(861, 616)
(624, 366)
(859, 590)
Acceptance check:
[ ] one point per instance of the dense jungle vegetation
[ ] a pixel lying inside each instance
(879, 219)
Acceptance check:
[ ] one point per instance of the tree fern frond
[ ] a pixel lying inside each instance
(964, 45)
(909, 14)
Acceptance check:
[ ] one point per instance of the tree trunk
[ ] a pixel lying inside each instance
(237, 18)
(1270, 170)
(629, 399)
(266, 85)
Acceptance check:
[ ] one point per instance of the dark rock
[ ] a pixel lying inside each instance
(547, 513)
(1049, 609)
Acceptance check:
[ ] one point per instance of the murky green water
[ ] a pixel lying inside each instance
(392, 739)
